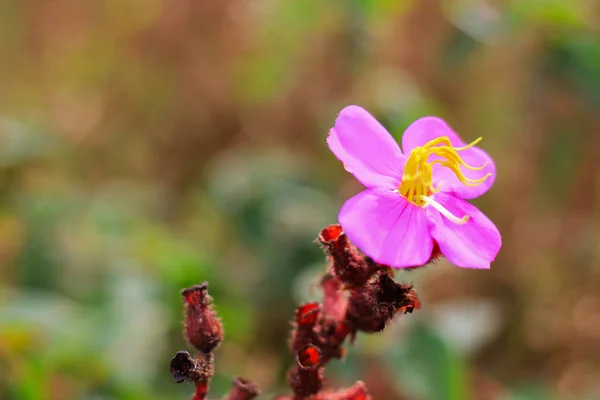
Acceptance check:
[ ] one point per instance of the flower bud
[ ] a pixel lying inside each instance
(309, 357)
(373, 305)
(307, 315)
(203, 328)
(348, 264)
(304, 332)
(306, 378)
(305, 382)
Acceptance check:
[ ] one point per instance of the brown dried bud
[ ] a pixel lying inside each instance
(181, 365)
(373, 305)
(199, 369)
(305, 382)
(203, 328)
(243, 389)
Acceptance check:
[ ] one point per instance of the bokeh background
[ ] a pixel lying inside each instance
(148, 145)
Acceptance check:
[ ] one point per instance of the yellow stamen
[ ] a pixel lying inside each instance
(417, 178)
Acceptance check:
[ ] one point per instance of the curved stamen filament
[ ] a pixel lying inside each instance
(473, 143)
(444, 140)
(450, 154)
(461, 177)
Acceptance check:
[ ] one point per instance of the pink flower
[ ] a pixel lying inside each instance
(415, 196)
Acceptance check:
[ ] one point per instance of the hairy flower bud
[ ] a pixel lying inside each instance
(203, 328)
(373, 305)
(304, 332)
(348, 264)
(307, 315)
(309, 357)
(305, 382)
(306, 378)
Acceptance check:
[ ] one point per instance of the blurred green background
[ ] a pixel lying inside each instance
(148, 145)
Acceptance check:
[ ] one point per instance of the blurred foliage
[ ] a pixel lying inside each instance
(149, 145)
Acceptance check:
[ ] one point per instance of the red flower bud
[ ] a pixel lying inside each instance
(304, 333)
(309, 357)
(307, 315)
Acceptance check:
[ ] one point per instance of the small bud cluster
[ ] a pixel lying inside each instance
(359, 295)
(204, 331)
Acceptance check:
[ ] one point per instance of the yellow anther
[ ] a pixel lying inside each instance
(417, 178)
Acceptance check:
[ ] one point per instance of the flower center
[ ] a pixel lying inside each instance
(417, 179)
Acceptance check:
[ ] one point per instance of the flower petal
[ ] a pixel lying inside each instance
(366, 148)
(425, 130)
(472, 245)
(387, 228)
